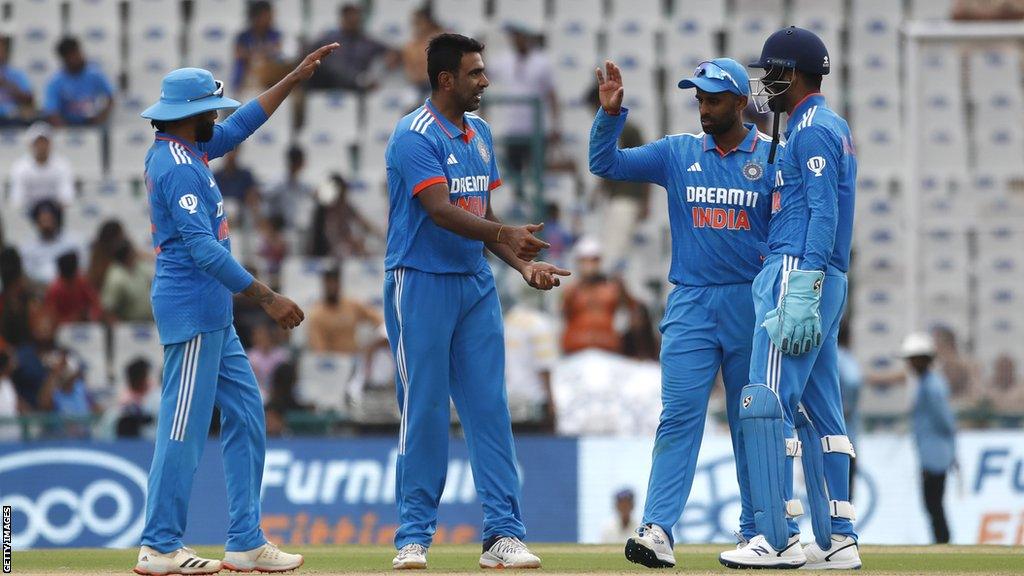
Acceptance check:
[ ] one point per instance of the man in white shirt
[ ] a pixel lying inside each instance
(531, 349)
(40, 174)
(40, 254)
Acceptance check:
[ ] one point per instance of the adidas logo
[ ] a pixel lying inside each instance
(695, 167)
(452, 160)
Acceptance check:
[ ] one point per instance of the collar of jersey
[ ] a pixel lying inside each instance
(184, 143)
(749, 143)
(451, 130)
(812, 99)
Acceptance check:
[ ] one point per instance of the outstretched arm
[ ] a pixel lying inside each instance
(643, 164)
(253, 114)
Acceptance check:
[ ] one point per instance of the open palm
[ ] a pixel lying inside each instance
(609, 86)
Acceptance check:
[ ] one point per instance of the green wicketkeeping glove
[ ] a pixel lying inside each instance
(795, 326)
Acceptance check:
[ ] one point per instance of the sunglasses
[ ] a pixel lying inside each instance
(217, 92)
(714, 71)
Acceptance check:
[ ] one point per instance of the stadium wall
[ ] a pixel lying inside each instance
(333, 491)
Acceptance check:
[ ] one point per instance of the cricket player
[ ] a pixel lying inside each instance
(442, 314)
(793, 405)
(719, 184)
(204, 363)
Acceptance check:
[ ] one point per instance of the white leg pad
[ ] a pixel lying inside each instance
(842, 509)
(795, 508)
(793, 448)
(839, 444)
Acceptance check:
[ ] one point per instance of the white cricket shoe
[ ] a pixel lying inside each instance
(266, 558)
(650, 547)
(843, 555)
(509, 552)
(410, 557)
(758, 553)
(181, 561)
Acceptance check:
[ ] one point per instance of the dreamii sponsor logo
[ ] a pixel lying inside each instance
(718, 195)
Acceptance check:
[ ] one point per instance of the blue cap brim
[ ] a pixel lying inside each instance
(165, 111)
(709, 85)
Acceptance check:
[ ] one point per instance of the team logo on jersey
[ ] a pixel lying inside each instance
(481, 147)
(753, 171)
(220, 209)
(747, 401)
(189, 202)
(816, 164)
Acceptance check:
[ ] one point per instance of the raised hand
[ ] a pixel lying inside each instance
(311, 62)
(522, 240)
(609, 86)
(543, 276)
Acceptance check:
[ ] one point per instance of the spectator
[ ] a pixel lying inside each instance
(620, 528)
(1005, 391)
(40, 255)
(274, 249)
(626, 203)
(39, 174)
(639, 341)
(258, 57)
(70, 296)
(592, 303)
(525, 72)
(34, 357)
(125, 294)
(10, 405)
(961, 373)
(338, 229)
(557, 235)
(101, 252)
(292, 196)
(934, 428)
(414, 53)
(80, 93)
(334, 322)
(265, 355)
(282, 391)
(531, 349)
(15, 90)
(17, 306)
(851, 379)
(137, 416)
(349, 68)
(64, 393)
(236, 181)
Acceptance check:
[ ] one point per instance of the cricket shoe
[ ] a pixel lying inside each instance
(843, 555)
(266, 558)
(650, 547)
(410, 557)
(181, 561)
(758, 553)
(508, 552)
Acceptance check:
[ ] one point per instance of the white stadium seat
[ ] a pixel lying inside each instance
(710, 13)
(83, 148)
(88, 340)
(586, 13)
(389, 20)
(463, 16)
(323, 380)
(647, 10)
(132, 341)
(572, 49)
(688, 42)
(211, 45)
(128, 147)
(528, 12)
(323, 16)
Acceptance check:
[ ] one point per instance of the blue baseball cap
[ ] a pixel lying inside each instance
(719, 75)
(186, 92)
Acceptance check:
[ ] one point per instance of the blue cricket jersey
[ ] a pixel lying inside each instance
(812, 206)
(195, 272)
(427, 149)
(718, 202)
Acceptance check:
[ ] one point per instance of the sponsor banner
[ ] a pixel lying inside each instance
(316, 491)
(984, 501)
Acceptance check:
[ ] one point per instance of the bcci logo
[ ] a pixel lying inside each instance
(481, 147)
(816, 164)
(753, 171)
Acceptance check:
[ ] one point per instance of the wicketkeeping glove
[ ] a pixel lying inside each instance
(795, 326)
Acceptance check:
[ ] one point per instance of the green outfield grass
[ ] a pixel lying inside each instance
(989, 560)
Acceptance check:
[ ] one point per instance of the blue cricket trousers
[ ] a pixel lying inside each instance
(210, 369)
(705, 328)
(811, 379)
(447, 337)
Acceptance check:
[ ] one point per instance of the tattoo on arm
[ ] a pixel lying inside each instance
(259, 292)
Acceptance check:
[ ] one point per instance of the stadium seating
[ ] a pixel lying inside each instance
(323, 380)
(464, 16)
(83, 149)
(97, 24)
(528, 12)
(88, 341)
(131, 342)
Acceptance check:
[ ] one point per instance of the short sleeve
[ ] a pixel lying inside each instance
(495, 176)
(418, 163)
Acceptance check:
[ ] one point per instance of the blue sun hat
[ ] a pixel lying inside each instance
(719, 75)
(186, 92)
